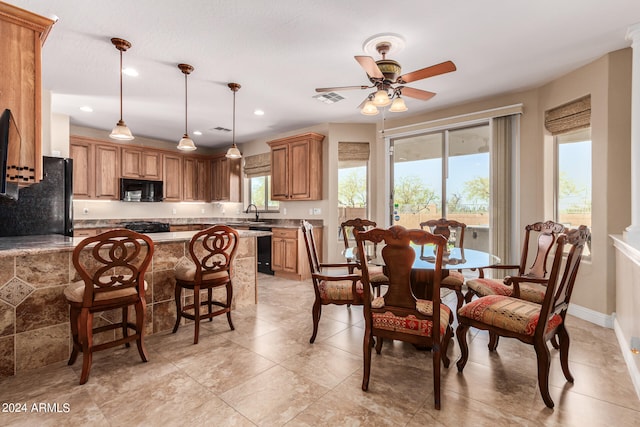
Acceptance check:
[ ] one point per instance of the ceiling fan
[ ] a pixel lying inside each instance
(385, 76)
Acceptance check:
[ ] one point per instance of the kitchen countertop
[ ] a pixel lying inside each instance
(80, 224)
(28, 245)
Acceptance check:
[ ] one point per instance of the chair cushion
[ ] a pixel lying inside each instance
(508, 313)
(411, 324)
(484, 286)
(533, 292)
(74, 292)
(186, 272)
(455, 279)
(339, 290)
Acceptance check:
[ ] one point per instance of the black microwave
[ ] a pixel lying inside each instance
(140, 190)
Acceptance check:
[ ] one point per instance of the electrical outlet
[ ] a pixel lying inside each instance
(202, 210)
(310, 211)
(174, 211)
(284, 211)
(85, 211)
(317, 211)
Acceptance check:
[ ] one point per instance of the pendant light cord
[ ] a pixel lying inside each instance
(234, 119)
(120, 84)
(185, 105)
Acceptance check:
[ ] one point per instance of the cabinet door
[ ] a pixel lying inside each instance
(106, 168)
(290, 262)
(172, 172)
(189, 178)
(151, 165)
(203, 186)
(131, 163)
(279, 173)
(299, 170)
(83, 170)
(277, 254)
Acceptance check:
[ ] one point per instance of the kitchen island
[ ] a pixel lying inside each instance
(34, 270)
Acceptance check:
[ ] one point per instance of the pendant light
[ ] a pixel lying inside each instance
(186, 143)
(121, 131)
(233, 152)
(398, 105)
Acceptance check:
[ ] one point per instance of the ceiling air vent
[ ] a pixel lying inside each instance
(220, 129)
(329, 97)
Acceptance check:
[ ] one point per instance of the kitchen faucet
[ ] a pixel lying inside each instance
(256, 209)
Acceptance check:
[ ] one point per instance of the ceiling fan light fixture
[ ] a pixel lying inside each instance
(381, 98)
(121, 132)
(369, 109)
(186, 143)
(398, 105)
(233, 152)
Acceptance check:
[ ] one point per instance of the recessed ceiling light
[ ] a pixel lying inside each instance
(130, 72)
(86, 109)
(258, 113)
(197, 132)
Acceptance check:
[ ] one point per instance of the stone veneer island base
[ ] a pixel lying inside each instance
(34, 315)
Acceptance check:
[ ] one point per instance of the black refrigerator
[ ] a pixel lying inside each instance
(42, 208)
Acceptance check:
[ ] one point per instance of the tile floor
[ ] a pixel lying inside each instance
(266, 373)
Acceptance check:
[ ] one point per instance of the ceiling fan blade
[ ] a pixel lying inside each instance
(434, 70)
(339, 88)
(370, 66)
(416, 93)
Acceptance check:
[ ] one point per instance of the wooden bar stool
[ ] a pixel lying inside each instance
(212, 252)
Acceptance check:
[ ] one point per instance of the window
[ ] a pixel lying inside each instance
(443, 174)
(573, 179)
(353, 160)
(260, 193)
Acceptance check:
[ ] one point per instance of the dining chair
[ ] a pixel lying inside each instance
(210, 266)
(332, 283)
(453, 231)
(527, 321)
(398, 314)
(534, 291)
(376, 273)
(111, 267)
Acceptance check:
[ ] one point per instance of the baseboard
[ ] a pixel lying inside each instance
(595, 317)
(634, 372)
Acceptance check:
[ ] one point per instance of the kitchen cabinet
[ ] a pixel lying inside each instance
(141, 163)
(172, 172)
(296, 167)
(288, 252)
(22, 35)
(196, 180)
(95, 169)
(226, 182)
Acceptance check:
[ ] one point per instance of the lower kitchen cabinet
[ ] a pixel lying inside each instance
(288, 253)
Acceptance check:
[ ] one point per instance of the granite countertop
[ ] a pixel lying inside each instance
(232, 222)
(29, 245)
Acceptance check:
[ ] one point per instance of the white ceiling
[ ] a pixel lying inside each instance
(281, 50)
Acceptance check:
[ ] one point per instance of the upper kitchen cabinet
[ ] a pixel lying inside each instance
(196, 179)
(226, 183)
(22, 35)
(141, 163)
(95, 169)
(172, 172)
(296, 167)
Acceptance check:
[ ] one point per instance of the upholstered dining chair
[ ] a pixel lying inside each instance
(527, 321)
(398, 314)
(453, 231)
(111, 268)
(332, 283)
(210, 266)
(546, 233)
(376, 273)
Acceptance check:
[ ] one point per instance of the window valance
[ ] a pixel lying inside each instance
(258, 165)
(353, 151)
(568, 117)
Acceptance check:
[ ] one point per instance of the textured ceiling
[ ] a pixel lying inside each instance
(280, 51)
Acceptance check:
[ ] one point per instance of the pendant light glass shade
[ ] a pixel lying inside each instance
(186, 143)
(121, 132)
(369, 109)
(398, 105)
(233, 152)
(381, 98)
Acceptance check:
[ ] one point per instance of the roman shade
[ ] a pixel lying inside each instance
(568, 117)
(258, 165)
(353, 151)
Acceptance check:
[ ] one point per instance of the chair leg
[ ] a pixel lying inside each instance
(460, 297)
(140, 316)
(448, 335)
(85, 332)
(544, 363)
(379, 342)
(461, 335)
(229, 298)
(125, 327)
(554, 342)
(493, 341)
(73, 316)
(366, 348)
(196, 313)
(210, 304)
(436, 375)
(563, 337)
(316, 312)
(178, 297)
